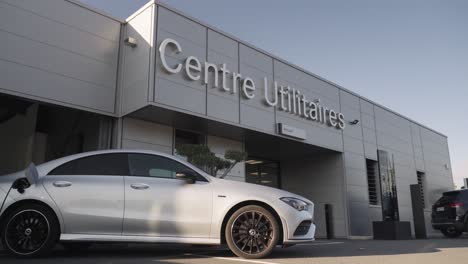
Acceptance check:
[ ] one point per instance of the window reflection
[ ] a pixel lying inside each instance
(263, 172)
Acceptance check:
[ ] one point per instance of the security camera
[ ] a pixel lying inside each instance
(132, 42)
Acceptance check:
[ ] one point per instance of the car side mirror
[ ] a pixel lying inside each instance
(187, 176)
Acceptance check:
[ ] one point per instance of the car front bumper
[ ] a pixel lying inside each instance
(298, 226)
(458, 225)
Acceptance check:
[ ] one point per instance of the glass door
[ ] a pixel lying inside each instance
(263, 172)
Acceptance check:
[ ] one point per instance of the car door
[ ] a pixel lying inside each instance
(89, 192)
(157, 204)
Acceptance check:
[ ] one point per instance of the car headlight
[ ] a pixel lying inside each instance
(295, 203)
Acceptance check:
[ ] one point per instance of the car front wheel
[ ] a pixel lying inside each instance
(30, 231)
(252, 232)
(451, 232)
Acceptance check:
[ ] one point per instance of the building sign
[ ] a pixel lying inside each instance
(285, 98)
(291, 131)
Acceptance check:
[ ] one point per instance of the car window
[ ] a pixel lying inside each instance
(451, 196)
(464, 195)
(147, 165)
(102, 164)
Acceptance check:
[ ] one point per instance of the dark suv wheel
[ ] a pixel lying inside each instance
(451, 232)
(252, 232)
(30, 231)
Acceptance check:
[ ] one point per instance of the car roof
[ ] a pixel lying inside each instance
(455, 192)
(46, 167)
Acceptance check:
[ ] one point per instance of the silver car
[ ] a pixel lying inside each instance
(144, 196)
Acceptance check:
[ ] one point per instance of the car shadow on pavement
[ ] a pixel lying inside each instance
(124, 252)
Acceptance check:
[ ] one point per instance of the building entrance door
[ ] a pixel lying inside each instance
(263, 172)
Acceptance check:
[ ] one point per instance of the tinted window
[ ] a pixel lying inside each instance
(455, 195)
(104, 164)
(464, 195)
(451, 195)
(155, 166)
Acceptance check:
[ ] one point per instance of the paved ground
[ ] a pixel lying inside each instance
(429, 251)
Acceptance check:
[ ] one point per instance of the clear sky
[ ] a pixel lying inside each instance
(408, 55)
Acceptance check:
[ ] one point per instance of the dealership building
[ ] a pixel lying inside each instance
(75, 79)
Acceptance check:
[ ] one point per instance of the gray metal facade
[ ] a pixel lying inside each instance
(64, 53)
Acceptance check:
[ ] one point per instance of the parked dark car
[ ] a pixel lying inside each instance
(449, 213)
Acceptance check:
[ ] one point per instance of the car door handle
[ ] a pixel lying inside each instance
(62, 184)
(139, 186)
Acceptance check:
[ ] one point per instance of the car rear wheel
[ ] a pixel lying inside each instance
(252, 232)
(30, 231)
(451, 232)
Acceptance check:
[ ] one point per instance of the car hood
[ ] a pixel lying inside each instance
(254, 190)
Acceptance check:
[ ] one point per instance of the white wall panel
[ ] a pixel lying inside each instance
(61, 62)
(146, 135)
(351, 114)
(61, 35)
(41, 85)
(368, 120)
(370, 151)
(415, 134)
(349, 100)
(369, 135)
(253, 112)
(367, 107)
(59, 52)
(175, 89)
(73, 15)
(133, 144)
(351, 144)
(136, 61)
(357, 177)
(222, 104)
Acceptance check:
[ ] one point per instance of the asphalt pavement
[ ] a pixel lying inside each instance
(426, 251)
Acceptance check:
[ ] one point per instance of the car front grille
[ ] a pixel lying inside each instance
(303, 228)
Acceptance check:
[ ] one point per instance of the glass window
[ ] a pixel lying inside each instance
(263, 172)
(103, 164)
(147, 165)
(187, 137)
(422, 183)
(183, 137)
(373, 182)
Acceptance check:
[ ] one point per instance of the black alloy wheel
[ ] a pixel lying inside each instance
(252, 232)
(30, 231)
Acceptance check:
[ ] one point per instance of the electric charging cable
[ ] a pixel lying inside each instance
(19, 184)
